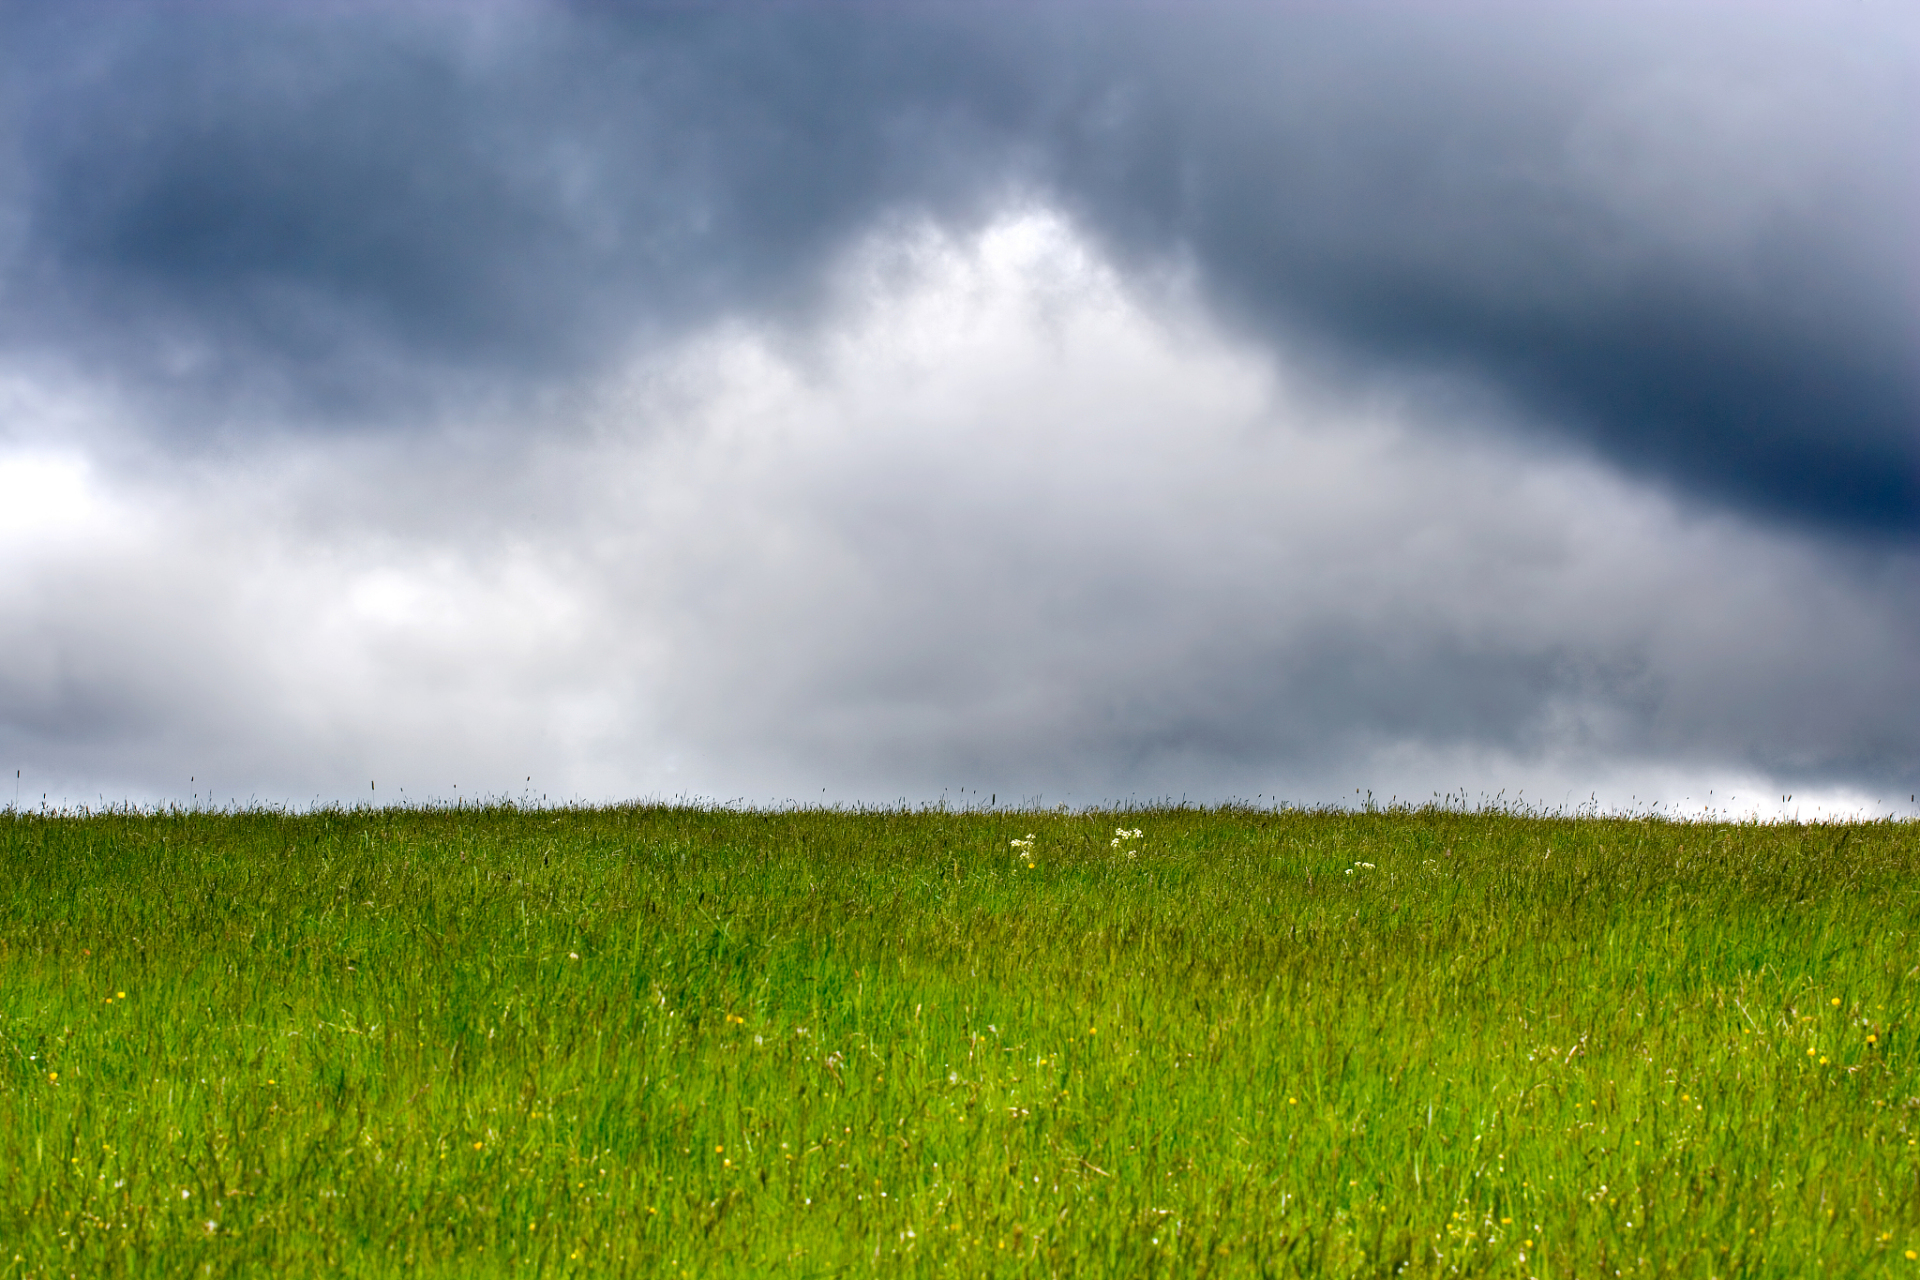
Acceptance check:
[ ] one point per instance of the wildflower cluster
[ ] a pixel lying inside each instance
(1026, 849)
(1121, 836)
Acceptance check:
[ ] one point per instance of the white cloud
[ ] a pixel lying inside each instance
(45, 497)
(1009, 522)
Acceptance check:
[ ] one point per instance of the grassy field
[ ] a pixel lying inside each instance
(661, 1041)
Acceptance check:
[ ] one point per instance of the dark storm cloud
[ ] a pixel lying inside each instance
(1678, 238)
(1686, 242)
(343, 210)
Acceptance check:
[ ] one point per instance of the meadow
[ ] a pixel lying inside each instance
(1162, 1042)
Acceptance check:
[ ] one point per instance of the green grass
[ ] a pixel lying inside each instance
(659, 1041)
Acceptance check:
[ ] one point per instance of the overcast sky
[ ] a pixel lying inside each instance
(859, 402)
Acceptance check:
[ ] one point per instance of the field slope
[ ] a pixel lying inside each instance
(660, 1041)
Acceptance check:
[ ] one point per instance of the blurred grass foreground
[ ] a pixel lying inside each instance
(1179, 1042)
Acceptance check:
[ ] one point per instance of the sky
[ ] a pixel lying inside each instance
(866, 403)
